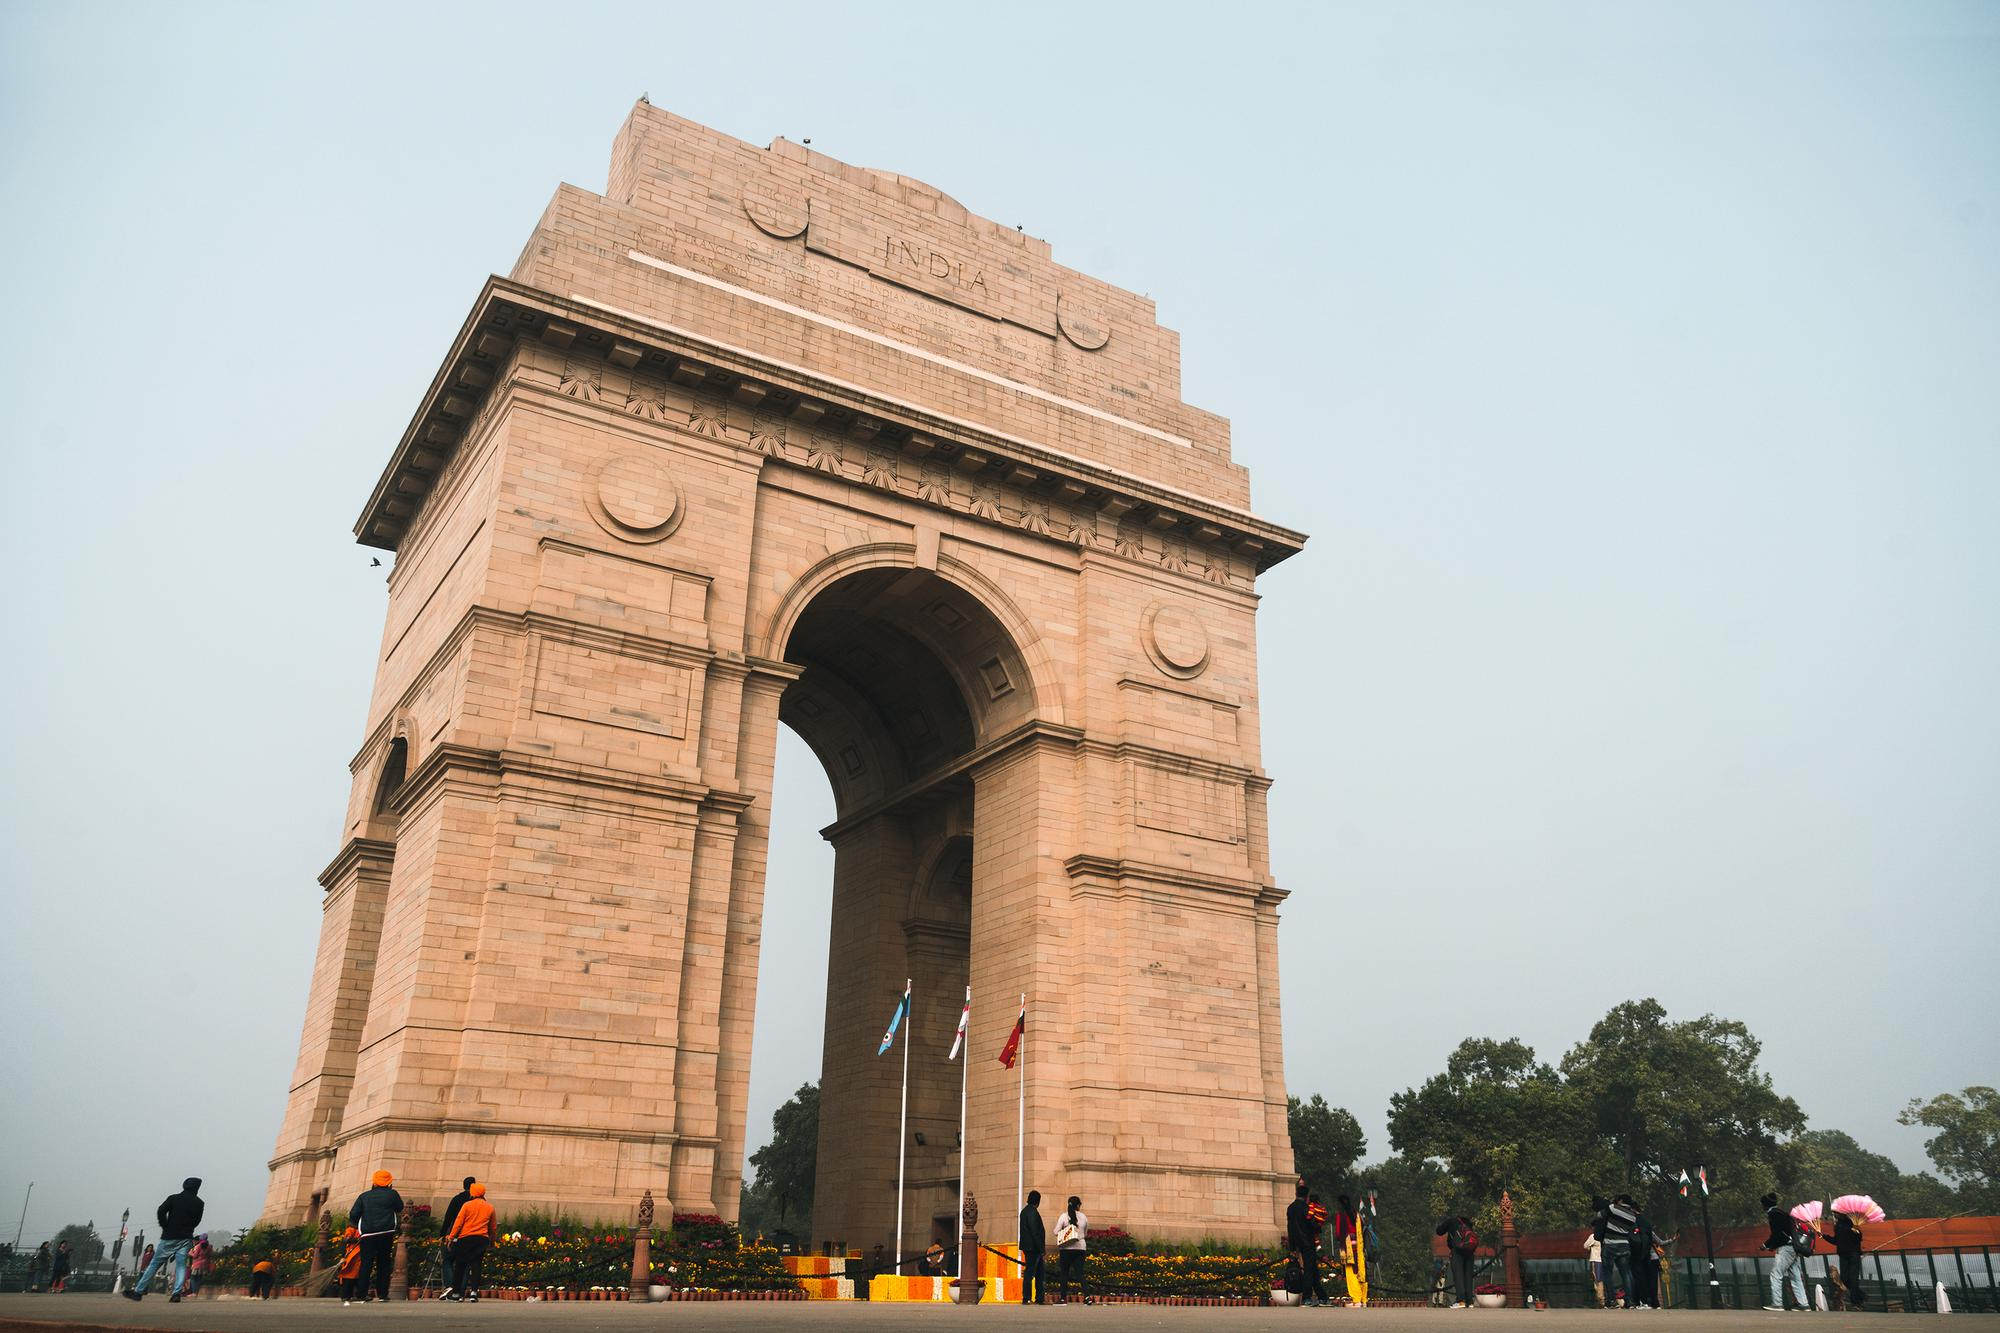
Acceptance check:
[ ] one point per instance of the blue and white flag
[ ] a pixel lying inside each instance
(896, 1020)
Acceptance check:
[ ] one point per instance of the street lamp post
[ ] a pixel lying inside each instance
(1708, 1238)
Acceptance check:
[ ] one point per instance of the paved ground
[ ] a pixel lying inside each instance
(88, 1313)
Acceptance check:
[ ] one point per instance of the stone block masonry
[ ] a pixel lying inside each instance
(755, 437)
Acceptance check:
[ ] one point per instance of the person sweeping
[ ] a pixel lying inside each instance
(349, 1272)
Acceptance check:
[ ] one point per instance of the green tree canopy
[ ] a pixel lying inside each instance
(1966, 1147)
(1667, 1096)
(1326, 1143)
(85, 1246)
(786, 1165)
(1499, 1119)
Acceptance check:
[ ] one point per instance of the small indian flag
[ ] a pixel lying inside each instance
(1701, 1174)
(1685, 1182)
(964, 1017)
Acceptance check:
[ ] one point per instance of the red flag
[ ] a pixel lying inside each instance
(1013, 1046)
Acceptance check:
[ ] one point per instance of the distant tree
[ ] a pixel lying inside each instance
(1326, 1142)
(1665, 1095)
(786, 1165)
(1966, 1147)
(1826, 1163)
(83, 1243)
(1499, 1119)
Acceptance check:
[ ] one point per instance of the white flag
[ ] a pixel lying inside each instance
(964, 1017)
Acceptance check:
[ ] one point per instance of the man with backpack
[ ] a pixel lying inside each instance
(1792, 1240)
(1463, 1243)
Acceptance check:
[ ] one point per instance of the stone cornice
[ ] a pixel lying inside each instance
(1175, 1168)
(356, 857)
(1121, 870)
(508, 313)
(674, 800)
(462, 1125)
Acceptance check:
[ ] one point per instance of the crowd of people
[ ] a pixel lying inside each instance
(368, 1245)
(365, 1258)
(1309, 1257)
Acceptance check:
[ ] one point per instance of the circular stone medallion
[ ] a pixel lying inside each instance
(1174, 638)
(1083, 325)
(634, 497)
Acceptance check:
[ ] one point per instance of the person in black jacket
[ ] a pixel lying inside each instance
(1302, 1238)
(457, 1202)
(178, 1215)
(1645, 1293)
(1034, 1250)
(1847, 1244)
(451, 1214)
(377, 1212)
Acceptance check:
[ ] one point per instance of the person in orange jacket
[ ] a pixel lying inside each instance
(350, 1266)
(471, 1232)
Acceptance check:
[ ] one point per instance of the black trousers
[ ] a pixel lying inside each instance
(1033, 1276)
(1069, 1264)
(1309, 1264)
(1461, 1277)
(1645, 1281)
(1850, 1277)
(263, 1284)
(377, 1254)
(466, 1252)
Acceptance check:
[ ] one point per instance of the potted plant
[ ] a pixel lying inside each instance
(1489, 1295)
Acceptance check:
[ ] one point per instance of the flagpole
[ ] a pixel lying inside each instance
(964, 1082)
(1021, 1122)
(903, 1126)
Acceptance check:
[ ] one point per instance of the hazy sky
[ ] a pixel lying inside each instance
(1635, 369)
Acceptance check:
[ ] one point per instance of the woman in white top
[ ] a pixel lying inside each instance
(1072, 1227)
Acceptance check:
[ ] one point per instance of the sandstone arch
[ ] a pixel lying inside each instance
(953, 524)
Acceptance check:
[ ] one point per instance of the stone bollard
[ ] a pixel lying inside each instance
(321, 1243)
(399, 1271)
(642, 1251)
(968, 1284)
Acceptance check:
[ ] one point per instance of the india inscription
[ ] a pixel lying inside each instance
(857, 462)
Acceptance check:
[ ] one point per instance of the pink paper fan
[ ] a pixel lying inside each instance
(1861, 1206)
(1807, 1212)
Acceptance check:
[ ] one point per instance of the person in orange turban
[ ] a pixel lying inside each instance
(375, 1216)
(471, 1232)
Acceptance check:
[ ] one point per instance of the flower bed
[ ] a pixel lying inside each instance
(1190, 1275)
(534, 1254)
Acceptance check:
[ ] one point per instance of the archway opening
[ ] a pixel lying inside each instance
(904, 675)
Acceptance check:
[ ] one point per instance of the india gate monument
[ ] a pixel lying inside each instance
(759, 437)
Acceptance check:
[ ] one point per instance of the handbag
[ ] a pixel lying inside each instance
(1065, 1232)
